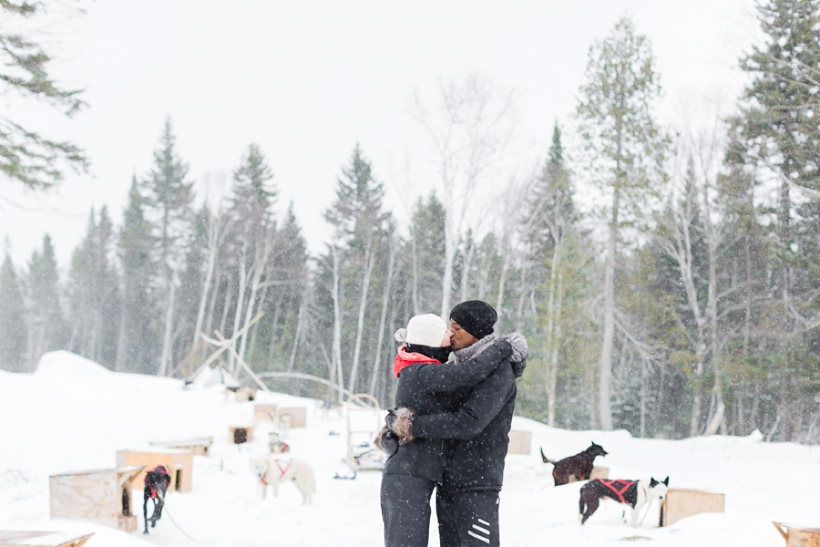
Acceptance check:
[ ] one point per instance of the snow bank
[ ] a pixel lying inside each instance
(64, 365)
(74, 414)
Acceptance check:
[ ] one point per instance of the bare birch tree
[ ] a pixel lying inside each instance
(470, 128)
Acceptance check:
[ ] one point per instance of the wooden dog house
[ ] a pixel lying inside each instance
(240, 435)
(798, 536)
(20, 538)
(180, 464)
(680, 503)
(597, 473)
(295, 416)
(102, 496)
(265, 413)
(198, 446)
(520, 442)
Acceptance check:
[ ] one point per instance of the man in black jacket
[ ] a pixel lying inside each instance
(467, 500)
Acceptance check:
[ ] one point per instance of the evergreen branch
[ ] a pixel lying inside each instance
(20, 8)
(33, 160)
(30, 58)
(814, 194)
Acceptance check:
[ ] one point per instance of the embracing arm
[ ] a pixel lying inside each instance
(484, 404)
(436, 378)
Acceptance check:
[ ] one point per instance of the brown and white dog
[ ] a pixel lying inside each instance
(634, 494)
(580, 464)
(274, 471)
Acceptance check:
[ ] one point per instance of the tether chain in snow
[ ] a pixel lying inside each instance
(167, 512)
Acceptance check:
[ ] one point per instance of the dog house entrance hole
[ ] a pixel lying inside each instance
(126, 503)
(178, 480)
(240, 435)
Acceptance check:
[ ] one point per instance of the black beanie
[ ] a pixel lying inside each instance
(475, 316)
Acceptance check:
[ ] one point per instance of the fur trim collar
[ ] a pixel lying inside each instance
(465, 354)
(520, 350)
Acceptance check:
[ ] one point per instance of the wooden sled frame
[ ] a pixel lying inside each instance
(352, 458)
(23, 538)
(811, 535)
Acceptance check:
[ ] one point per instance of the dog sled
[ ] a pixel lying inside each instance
(796, 536)
(363, 424)
(21, 538)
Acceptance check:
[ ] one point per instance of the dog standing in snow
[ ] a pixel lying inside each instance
(274, 471)
(580, 464)
(156, 485)
(635, 494)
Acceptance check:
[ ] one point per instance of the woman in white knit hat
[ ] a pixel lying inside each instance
(414, 469)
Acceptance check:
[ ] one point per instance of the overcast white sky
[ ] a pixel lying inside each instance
(306, 80)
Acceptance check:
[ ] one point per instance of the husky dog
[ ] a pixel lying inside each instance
(156, 484)
(580, 464)
(635, 494)
(274, 471)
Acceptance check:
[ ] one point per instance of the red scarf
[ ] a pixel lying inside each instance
(405, 359)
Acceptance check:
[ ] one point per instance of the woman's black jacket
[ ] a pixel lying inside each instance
(433, 389)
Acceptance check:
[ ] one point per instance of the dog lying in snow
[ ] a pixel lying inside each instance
(274, 471)
(580, 464)
(635, 494)
(156, 485)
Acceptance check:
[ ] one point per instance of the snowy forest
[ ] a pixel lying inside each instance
(667, 277)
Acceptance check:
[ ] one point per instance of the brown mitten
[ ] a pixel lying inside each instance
(403, 425)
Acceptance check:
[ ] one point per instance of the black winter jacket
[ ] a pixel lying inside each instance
(481, 425)
(431, 389)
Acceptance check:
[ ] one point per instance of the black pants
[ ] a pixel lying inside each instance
(468, 519)
(406, 510)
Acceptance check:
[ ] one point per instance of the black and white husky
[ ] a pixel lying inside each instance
(635, 494)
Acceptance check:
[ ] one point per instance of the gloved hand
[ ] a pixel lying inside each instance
(387, 441)
(390, 419)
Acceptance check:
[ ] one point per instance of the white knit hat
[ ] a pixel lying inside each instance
(423, 330)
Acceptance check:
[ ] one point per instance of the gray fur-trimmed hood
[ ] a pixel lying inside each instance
(520, 350)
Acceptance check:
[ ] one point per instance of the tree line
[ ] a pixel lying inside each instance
(668, 279)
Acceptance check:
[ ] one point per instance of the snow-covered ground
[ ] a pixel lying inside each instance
(74, 415)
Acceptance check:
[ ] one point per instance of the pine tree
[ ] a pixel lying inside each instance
(426, 253)
(252, 230)
(284, 298)
(13, 330)
(747, 369)
(94, 294)
(779, 125)
(138, 337)
(169, 196)
(626, 150)
(550, 207)
(46, 326)
(359, 225)
(548, 222)
(191, 282)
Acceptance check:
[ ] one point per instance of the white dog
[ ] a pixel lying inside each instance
(634, 494)
(274, 471)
